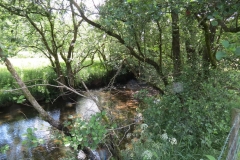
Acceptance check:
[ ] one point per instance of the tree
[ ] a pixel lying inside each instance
(54, 30)
(135, 40)
(129, 23)
(177, 64)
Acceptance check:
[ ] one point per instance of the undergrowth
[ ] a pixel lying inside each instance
(198, 118)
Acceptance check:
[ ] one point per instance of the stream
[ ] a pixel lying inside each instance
(16, 119)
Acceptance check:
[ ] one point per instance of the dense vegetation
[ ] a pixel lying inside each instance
(188, 49)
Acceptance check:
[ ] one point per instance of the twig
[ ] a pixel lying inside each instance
(11, 90)
(124, 135)
(110, 85)
(122, 127)
(23, 114)
(108, 151)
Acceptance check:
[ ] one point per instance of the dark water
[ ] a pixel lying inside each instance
(16, 119)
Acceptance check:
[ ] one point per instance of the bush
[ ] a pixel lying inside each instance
(86, 133)
(198, 117)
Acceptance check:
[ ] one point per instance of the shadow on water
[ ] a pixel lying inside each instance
(16, 119)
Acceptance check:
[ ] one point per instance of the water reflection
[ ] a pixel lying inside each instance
(86, 107)
(12, 134)
(15, 120)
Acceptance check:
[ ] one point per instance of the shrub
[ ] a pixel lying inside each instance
(198, 117)
(86, 133)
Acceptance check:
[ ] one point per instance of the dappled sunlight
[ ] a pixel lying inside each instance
(29, 62)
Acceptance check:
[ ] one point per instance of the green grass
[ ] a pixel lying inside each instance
(35, 71)
(31, 73)
(94, 74)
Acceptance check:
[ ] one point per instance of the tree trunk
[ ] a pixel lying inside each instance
(205, 63)
(209, 52)
(70, 75)
(28, 95)
(59, 72)
(177, 64)
(191, 54)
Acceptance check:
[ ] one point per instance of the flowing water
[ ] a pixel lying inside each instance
(16, 119)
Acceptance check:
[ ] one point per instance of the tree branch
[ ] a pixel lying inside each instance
(228, 29)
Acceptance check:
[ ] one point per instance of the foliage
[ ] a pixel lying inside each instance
(19, 99)
(198, 117)
(229, 50)
(4, 149)
(32, 77)
(96, 75)
(86, 133)
(210, 157)
(142, 30)
(147, 148)
(32, 140)
(37, 73)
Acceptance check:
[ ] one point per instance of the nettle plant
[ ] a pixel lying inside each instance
(86, 133)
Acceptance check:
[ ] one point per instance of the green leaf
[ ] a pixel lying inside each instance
(80, 139)
(24, 142)
(220, 55)
(21, 97)
(215, 14)
(103, 113)
(210, 17)
(74, 139)
(35, 145)
(210, 157)
(29, 130)
(225, 43)
(35, 141)
(114, 125)
(214, 23)
(237, 51)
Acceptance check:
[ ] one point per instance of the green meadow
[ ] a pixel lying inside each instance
(37, 73)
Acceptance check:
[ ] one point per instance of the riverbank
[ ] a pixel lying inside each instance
(38, 75)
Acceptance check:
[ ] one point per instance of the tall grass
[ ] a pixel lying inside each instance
(31, 75)
(34, 71)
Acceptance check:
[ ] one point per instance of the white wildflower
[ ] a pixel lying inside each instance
(131, 155)
(156, 101)
(173, 141)
(144, 126)
(128, 136)
(138, 118)
(67, 144)
(147, 154)
(164, 136)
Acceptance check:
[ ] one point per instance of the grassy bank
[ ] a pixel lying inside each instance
(34, 71)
